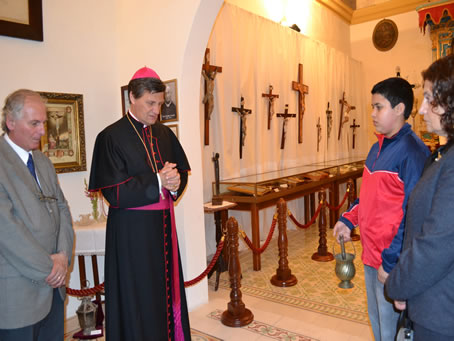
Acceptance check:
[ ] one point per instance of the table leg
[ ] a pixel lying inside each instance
(94, 263)
(255, 226)
(334, 214)
(306, 209)
(312, 196)
(82, 272)
(225, 252)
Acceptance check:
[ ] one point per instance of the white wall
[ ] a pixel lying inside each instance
(412, 53)
(314, 20)
(93, 48)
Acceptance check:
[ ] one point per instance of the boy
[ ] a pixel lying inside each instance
(392, 168)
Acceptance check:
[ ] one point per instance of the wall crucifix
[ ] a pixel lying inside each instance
(243, 115)
(354, 126)
(286, 116)
(209, 73)
(271, 98)
(344, 118)
(302, 91)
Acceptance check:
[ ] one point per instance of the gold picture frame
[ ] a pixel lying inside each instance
(174, 128)
(64, 139)
(124, 100)
(169, 110)
(22, 19)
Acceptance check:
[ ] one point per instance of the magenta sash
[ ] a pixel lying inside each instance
(167, 204)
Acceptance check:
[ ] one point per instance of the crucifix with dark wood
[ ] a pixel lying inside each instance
(354, 126)
(243, 115)
(302, 89)
(344, 117)
(286, 116)
(271, 98)
(209, 73)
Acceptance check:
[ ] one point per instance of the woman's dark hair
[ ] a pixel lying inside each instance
(140, 85)
(441, 74)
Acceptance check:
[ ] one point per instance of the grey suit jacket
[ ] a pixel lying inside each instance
(424, 275)
(32, 227)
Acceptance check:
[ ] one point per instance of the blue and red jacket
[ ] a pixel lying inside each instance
(393, 167)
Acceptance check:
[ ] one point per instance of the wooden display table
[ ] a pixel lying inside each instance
(253, 193)
(220, 219)
(90, 240)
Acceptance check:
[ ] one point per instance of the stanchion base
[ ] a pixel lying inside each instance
(276, 281)
(323, 258)
(238, 320)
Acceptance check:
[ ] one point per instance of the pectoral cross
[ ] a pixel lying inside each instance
(209, 73)
(271, 98)
(242, 112)
(319, 133)
(354, 126)
(286, 116)
(346, 117)
(329, 121)
(302, 90)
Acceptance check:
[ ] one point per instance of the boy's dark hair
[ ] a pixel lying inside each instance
(139, 85)
(396, 90)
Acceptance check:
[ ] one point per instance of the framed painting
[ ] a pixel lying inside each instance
(174, 128)
(124, 99)
(169, 110)
(22, 19)
(64, 139)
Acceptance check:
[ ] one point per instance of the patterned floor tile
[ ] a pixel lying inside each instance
(267, 330)
(317, 288)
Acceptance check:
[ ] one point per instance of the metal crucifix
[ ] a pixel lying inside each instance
(286, 116)
(354, 126)
(242, 112)
(302, 90)
(329, 121)
(344, 118)
(271, 98)
(209, 73)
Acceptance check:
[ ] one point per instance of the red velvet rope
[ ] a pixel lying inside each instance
(340, 205)
(85, 292)
(100, 287)
(210, 266)
(268, 239)
(301, 226)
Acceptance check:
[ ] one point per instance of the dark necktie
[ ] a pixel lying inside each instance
(31, 166)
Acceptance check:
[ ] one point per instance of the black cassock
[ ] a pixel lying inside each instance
(138, 271)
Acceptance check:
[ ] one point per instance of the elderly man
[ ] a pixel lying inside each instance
(36, 234)
(140, 167)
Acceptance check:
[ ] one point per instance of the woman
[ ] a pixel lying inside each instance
(424, 275)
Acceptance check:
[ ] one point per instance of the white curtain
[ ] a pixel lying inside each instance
(255, 52)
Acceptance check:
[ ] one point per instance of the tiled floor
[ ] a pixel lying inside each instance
(307, 325)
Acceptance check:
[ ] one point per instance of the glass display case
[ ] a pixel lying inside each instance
(253, 187)
(255, 192)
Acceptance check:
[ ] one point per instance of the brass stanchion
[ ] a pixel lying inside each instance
(351, 198)
(322, 254)
(283, 276)
(236, 315)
